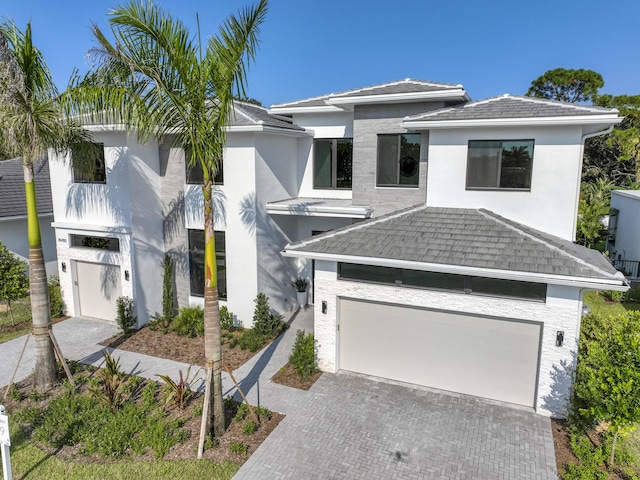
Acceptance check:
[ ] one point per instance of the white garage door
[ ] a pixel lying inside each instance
(481, 356)
(98, 289)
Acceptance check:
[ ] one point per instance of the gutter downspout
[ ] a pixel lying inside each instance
(577, 202)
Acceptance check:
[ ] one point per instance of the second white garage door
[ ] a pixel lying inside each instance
(475, 355)
(98, 287)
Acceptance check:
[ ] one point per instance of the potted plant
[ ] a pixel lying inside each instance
(301, 284)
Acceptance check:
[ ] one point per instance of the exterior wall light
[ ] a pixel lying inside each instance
(63, 265)
(126, 275)
(559, 338)
(324, 307)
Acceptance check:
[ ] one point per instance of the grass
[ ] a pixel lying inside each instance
(599, 305)
(21, 310)
(29, 462)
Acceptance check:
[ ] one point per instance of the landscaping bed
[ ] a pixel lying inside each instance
(288, 377)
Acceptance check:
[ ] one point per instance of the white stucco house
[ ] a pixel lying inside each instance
(437, 232)
(13, 212)
(624, 232)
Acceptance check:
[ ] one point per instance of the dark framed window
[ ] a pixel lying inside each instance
(398, 160)
(96, 171)
(195, 174)
(196, 263)
(333, 161)
(500, 164)
(101, 243)
(443, 281)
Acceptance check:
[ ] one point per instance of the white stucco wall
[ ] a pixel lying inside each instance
(561, 311)
(550, 206)
(627, 244)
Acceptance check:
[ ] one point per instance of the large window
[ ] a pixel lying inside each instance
(398, 160)
(196, 263)
(101, 243)
(443, 281)
(195, 175)
(332, 163)
(500, 164)
(95, 171)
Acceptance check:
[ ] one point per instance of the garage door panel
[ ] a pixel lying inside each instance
(99, 287)
(487, 357)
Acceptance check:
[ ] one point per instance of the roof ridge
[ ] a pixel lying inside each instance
(558, 103)
(523, 230)
(358, 226)
(246, 114)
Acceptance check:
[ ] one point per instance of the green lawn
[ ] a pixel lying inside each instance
(598, 304)
(21, 310)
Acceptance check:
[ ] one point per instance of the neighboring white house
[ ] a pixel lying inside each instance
(447, 259)
(13, 212)
(623, 237)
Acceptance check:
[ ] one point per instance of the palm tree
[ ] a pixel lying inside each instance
(162, 83)
(31, 122)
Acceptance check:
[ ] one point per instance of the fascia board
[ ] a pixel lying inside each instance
(514, 122)
(617, 284)
(267, 129)
(336, 212)
(82, 228)
(312, 109)
(454, 93)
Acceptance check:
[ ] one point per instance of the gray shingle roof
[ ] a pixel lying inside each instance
(248, 114)
(461, 237)
(510, 106)
(12, 196)
(407, 85)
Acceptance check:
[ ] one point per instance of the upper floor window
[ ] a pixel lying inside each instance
(500, 164)
(195, 174)
(196, 263)
(95, 171)
(332, 163)
(398, 160)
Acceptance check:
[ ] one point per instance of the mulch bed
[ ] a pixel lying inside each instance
(287, 376)
(172, 346)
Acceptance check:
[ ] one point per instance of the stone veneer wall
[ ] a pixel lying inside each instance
(560, 312)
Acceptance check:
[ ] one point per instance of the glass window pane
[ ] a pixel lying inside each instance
(369, 273)
(387, 160)
(409, 162)
(443, 281)
(322, 165)
(517, 159)
(509, 288)
(482, 165)
(345, 162)
(221, 264)
(90, 170)
(196, 262)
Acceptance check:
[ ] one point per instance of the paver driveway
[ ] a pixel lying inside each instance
(350, 427)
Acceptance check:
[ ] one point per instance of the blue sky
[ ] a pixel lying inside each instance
(311, 48)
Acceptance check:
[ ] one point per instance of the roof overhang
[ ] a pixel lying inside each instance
(349, 102)
(615, 283)
(305, 209)
(288, 110)
(600, 120)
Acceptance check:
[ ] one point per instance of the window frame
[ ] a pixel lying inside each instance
(334, 162)
(110, 244)
(499, 171)
(221, 256)
(398, 159)
(196, 168)
(99, 178)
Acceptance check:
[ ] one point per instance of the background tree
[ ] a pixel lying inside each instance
(566, 85)
(15, 281)
(31, 122)
(162, 83)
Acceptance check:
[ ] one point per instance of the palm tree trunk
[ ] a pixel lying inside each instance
(45, 374)
(212, 332)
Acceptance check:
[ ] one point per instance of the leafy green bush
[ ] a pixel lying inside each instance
(251, 340)
(189, 322)
(15, 281)
(178, 392)
(126, 318)
(226, 319)
(14, 393)
(612, 295)
(249, 427)
(168, 307)
(265, 322)
(303, 355)
(584, 472)
(56, 303)
(632, 295)
(239, 447)
(112, 386)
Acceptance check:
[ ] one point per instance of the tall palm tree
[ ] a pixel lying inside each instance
(31, 122)
(162, 83)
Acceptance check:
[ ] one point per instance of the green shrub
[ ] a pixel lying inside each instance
(168, 307)
(303, 355)
(612, 295)
(584, 472)
(249, 427)
(251, 340)
(14, 393)
(262, 412)
(111, 388)
(56, 303)
(242, 410)
(126, 317)
(36, 396)
(226, 319)
(265, 322)
(149, 394)
(632, 295)
(239, 447)
(178, 392)
(189, 322)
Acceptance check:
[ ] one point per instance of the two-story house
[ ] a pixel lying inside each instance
(437, 232)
